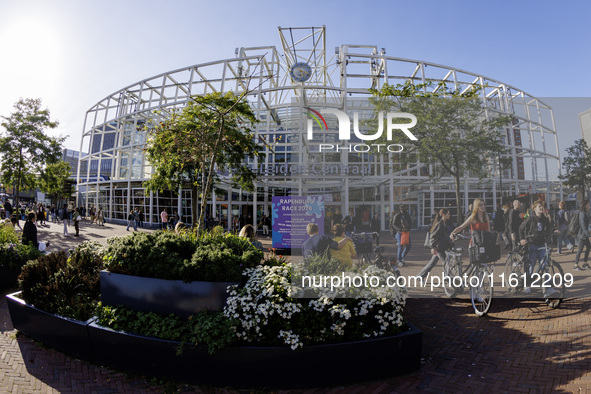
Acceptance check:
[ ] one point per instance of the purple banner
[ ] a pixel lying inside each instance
(291, 215)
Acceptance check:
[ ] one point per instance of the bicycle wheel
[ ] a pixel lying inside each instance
(514, 270)
(554, 295)
(481, 293)
(452, 268)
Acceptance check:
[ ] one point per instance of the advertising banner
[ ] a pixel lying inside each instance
(291, 215)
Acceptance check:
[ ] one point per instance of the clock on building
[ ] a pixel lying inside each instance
(300, 72)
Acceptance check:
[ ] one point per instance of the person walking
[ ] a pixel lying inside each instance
(164, 218)
(141, 218)
(130, 221)
(562, 222)
(265, 225)
(584, 237)
(439, 240)
(65, 219)
(100, 218)
(77, 217)
(401, 223)
(515, 221)
(349, 222)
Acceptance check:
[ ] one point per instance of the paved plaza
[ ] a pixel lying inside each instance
(520, 346)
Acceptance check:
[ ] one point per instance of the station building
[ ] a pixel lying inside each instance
(284, 82)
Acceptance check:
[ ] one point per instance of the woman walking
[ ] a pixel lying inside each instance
(439, 240)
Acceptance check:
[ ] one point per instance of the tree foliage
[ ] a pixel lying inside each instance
(577, 168)
(26, 150)
(53, 180)
(454, 136)
(207, 140)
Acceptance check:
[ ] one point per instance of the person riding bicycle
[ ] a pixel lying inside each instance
(536, 231)
(439, 240)
(478, 219)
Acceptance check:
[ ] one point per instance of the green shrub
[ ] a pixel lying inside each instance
(187, 257)
(209, 328)
(13, 254)
(8, 235)
(65, 285)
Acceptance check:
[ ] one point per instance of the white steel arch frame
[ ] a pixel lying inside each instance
(114, 136)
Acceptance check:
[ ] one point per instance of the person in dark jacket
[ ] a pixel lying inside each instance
(536, 231)
(30, 231)
(440, 241)
(514, 223)
(401, 222)
(584, 237)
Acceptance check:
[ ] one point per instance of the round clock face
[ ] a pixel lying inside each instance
(300, 72)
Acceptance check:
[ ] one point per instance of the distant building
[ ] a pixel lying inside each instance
(285, 87)
(72, 157)
(585, 120)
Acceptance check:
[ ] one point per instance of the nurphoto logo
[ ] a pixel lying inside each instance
(345, 130)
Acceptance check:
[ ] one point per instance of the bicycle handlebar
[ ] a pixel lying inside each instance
(365, 235)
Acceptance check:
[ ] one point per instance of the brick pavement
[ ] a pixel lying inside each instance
(521, 346)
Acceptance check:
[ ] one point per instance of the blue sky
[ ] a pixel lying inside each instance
(72, 54)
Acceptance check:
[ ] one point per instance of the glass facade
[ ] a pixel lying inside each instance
(368, 181)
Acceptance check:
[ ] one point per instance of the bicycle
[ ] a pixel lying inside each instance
(478, 276)
(363, 243)
(546, 273)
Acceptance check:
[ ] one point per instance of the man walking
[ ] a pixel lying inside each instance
(515, 221)
(584, 237)
(164, 218)
(399, 224)
(65, 219)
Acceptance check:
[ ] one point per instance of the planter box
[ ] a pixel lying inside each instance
(247, 366)
(66, 335)
(276, 367)
(161, 295)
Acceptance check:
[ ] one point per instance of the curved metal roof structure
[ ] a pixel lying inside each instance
(115, 138)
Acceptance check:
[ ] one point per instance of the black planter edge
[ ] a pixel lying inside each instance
(246, 361)
(67, 335)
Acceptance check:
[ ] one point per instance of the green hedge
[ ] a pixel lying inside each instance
(166, 255)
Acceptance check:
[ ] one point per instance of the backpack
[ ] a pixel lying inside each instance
(573, 226)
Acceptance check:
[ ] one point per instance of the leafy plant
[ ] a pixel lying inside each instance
(188, 256)
(67, 285)
(210, 328)
(8, 235)
(13, 254)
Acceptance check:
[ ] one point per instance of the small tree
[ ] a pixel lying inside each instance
(26, 149)
(577, 168)
(207, 138)
(453, 134)
(53, 180)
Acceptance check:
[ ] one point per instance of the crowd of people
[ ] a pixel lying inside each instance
(529, 229)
